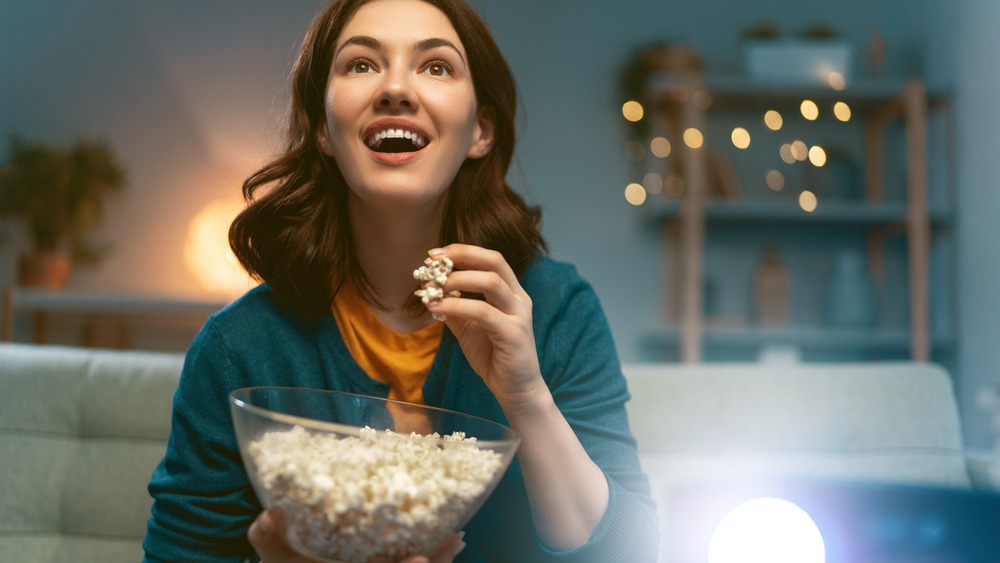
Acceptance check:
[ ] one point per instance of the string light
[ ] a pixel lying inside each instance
(632, 110)
(635, 194)
(809, 110)
(741, 138)
(773, 120)
(842, 111)
(693, 138)
(660, 147)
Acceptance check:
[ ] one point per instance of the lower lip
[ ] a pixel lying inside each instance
(394, 157)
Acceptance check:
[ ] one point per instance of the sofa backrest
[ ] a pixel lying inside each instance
(715, 424)
(80, 433)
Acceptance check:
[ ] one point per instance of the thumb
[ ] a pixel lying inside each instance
(265, 537)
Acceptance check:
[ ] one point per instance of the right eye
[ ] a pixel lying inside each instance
(359, 66)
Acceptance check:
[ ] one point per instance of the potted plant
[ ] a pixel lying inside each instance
(58, 194)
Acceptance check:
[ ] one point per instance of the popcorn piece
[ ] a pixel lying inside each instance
(375, 498)
(433, 275)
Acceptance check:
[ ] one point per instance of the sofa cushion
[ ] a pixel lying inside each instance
(81, 431)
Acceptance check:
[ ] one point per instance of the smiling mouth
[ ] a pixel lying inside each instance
(396, 141)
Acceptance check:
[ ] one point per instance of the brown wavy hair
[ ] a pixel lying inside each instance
(296, 236)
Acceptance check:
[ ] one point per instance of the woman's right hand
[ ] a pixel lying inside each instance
(266, 538)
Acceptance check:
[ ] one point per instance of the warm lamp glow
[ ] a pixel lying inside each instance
(770, 530)
(632, 110)
(207, 254)
(635, 194)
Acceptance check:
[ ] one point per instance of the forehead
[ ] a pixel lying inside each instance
(402, 21)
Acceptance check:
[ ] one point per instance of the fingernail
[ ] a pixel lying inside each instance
(436, 252)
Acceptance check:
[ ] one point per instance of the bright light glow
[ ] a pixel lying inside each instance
(799, 150)
(807, 201)
(635, 194)
(207, 254)
(817, 156)
(653, 183)
(632, 110)
(741, 138)
(773, 120)
(842, 111)
(775, 180)
(836, 80)
(660, 147)
(693, 138)
(809, 110)
(767, 530)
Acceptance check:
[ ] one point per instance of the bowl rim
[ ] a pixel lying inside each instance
(348, 428)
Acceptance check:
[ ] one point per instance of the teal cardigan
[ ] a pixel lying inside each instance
(203, 503)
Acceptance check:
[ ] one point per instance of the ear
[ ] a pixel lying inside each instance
(485, 133)
(323, 139)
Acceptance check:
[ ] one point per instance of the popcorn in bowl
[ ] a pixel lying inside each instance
(352, 494)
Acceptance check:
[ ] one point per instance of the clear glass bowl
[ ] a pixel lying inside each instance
(358, 479)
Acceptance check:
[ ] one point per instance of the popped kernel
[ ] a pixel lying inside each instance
(433, 275)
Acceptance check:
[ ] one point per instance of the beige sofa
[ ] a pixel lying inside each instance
(81, 431)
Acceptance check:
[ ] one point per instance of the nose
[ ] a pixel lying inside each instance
(396, 91)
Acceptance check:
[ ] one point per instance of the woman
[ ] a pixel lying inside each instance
(401, 134)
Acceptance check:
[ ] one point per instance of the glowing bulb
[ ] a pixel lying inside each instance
(775, 180)
(817, 156)
(653, 183)
(773, 120)
(807, 201)
(207, 254)
(693, 138)
(741, 138)
(660, 147)
(809, 110)
(842, 111)
(635, 194)
(768, 530)
(632, 110)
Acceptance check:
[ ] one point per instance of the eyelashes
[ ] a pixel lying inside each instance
(435, 67)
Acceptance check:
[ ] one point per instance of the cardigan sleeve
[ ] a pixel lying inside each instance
(202, 500)
(580, 363)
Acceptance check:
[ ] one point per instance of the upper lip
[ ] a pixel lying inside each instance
(388, 123)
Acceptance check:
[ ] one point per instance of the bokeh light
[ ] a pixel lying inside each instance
(842, 111)
(693, 138)
(632, 110)
(773, 120)
(799, 150)
(660, 147)
(807, 201)
(653, 183)
(635, 194)
(775, 180)
(809, 110)
(817, 156)
(836, 80)
(787, 154)
(741, 138)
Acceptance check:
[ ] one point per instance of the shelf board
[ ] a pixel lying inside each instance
(739, 92)
(835, 212)
(816, 338)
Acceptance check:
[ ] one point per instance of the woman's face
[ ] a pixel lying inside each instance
(401, 113)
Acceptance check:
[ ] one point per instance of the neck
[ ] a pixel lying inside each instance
(390, 245)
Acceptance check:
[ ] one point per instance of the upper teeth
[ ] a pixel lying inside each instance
(414, 138)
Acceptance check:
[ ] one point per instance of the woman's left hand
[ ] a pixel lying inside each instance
(496, 333)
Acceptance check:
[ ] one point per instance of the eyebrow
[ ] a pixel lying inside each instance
(423, 45)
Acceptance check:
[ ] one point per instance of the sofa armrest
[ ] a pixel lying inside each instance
(984, 469)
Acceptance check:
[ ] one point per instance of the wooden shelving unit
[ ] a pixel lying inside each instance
(685, 219)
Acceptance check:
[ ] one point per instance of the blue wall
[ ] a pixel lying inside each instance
(192, 94)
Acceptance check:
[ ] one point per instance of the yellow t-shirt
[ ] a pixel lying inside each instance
(401, 360)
